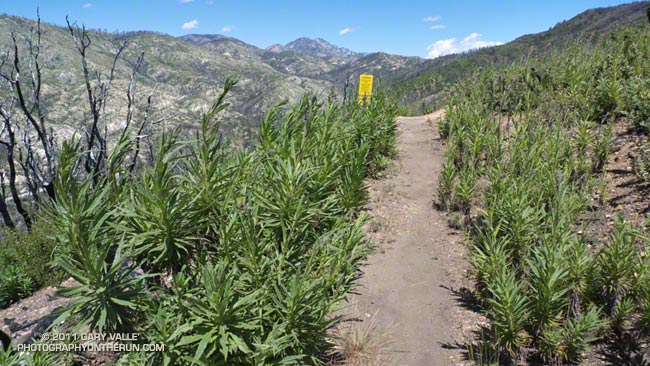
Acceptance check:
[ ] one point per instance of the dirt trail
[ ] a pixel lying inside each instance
(407, 281)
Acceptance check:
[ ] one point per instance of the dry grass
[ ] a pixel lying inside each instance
(361, 342)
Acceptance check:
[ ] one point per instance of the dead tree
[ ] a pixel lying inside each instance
(6, 112)
(346, 84)
(97, 97)
(29, 140)
(28, 99)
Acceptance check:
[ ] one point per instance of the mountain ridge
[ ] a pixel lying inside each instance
(320, 48)
(187, 71)
(421, 81)
(182, 77)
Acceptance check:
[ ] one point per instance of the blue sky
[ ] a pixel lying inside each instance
(412, 28)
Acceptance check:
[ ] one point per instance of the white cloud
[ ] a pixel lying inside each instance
(452, 45)
(227, 28)
(438, 26)
(432, 19)
(87, 5)
(345, 31)
(185, 1)
(192, 24)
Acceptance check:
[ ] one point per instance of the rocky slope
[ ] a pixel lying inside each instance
(187, 72)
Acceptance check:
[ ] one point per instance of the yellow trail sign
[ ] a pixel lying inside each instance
(365, 88)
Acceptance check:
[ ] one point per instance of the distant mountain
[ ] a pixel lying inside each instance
(315, 47)
(296, 63)
(234, 50)
(382, 65)
(187, 72)
(277, 48)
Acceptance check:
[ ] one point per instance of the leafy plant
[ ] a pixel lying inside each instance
(219, 315)
(225, 257)
(25, 261)
(14, 285)
(509, 310)
(578, 333)
(602, 148)
(462, 197)
(615, 265)
(548, 281)
(109, 291)
(534, 133)
(443, 128)
(446, 184)
(159, 217)
(642, 162)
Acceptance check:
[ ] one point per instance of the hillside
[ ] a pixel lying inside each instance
(187, 74)
(383, 65)
(548, 169)
(200, 39)
(316, 47)
(423, 83)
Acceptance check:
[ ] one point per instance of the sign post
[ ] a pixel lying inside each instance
(365, 88)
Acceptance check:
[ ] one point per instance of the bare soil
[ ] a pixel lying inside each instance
(625, 193)
(412, 284)
(28, 318)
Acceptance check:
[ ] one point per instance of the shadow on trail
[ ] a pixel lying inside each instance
(466, 298)
(625, 350)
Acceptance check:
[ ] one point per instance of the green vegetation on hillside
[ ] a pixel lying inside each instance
(25, 262)
(422, 85)
(236, 257)
(240, 256)
(528, 144)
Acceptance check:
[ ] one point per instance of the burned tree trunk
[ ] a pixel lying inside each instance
(29, 141)
(4, 210)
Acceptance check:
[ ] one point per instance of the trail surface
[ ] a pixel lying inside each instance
(408, 279)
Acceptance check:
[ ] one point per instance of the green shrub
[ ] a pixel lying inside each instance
(578, 333)
(443, 128)
(642, 162)
(14, 284)
(534, 133)
(25, 262)
(446, 184)
(509, 309)
(245, 254)
(637, 96)
(615, 266)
